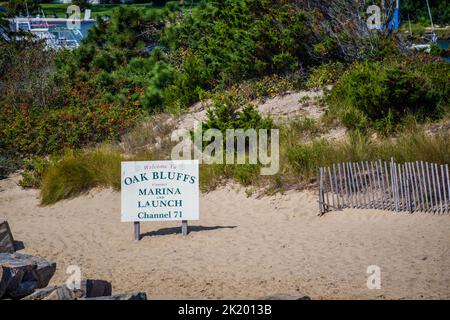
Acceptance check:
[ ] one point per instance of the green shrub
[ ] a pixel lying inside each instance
(324, 75)
(237, 39)
(40, 132)
(34, 170)
(231, 112)
(381, 94)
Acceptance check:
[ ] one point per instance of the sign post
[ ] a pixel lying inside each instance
(184, 228)
(159, 191)
(137, 231)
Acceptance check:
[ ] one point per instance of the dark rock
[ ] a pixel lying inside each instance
(13, 272)
(43, 270)
(22, 274)
(23, 289)
(89, 289)
(96, 288)
(40, 294)
(2, 283)
(6, 238)
(284, 297)
(64, 293)
(122, 296)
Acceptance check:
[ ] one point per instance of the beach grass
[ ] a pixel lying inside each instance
(79, 171)
(305, 159)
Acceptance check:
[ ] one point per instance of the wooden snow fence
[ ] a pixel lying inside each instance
(411, 187)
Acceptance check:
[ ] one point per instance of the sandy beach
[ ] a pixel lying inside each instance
(242, 246)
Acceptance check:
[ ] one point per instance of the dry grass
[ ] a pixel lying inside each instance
(301, 154)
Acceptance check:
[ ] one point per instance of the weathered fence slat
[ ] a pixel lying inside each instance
(393, 184)
(331, 187)
(402, 195)
(406, 188)
(336, 186)
(358, 194)
(350, 180)
(383, 189)
(419, 181)
(436, 168)
(363, 179)
(412, 195)
(351, 186)
(436, 204)
(443, 189)
(448, 185)
(321, 198)
(341, 185)
(430, 188)
(346, 185)
(425, 189)
(374, 187)
(325, 187)
(369, 183)
(414, 186)
(388, 187)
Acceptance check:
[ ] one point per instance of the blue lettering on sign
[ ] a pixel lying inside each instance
(160, 175)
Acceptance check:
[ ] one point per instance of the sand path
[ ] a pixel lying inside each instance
(242, 247)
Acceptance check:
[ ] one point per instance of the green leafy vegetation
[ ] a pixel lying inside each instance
(230, 112)
(149, 61)
(325, 74)
(416, 10)
(380, 95)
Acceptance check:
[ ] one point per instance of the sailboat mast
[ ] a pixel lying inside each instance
(434, 39)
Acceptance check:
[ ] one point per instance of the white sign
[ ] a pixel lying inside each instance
(160, 190)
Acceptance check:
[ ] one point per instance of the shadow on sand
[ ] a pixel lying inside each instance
(175, 230)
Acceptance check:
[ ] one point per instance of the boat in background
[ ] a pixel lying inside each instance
(58, 33)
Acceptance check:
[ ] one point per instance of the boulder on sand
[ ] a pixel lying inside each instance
(44, 270)
(22, 274)
(40, 294)
(64, 293)
(13, 273)
(6, 238)
(89, 289)
(95, 288)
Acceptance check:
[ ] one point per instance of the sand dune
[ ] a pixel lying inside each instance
(243, 247)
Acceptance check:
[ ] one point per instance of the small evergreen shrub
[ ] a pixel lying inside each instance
(381, 94)
(324, 75)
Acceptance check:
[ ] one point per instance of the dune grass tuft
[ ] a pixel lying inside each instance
(78, 172)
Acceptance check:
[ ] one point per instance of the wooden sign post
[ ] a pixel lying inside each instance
(184, 227)
(137, 231)
(159, 191)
